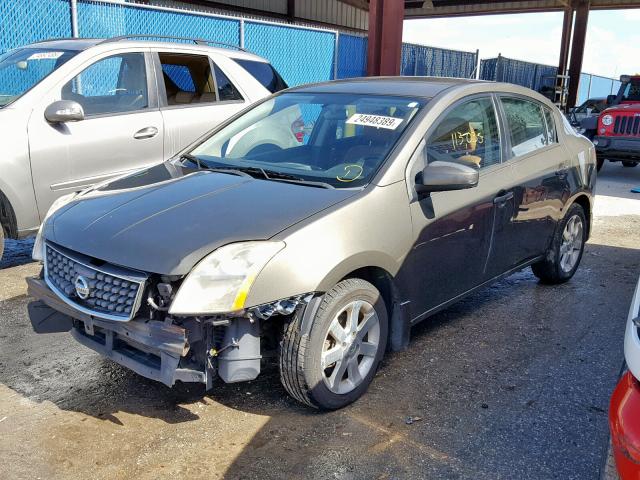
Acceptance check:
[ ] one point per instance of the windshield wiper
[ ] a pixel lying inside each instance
(284, 177)
(253, 171)
(202, 166)
(192, 159)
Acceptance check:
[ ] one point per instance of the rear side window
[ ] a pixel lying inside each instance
(226, 90)
(551, 126)
(526, 125)
(188, 79)
(264, 73)
(180, 76)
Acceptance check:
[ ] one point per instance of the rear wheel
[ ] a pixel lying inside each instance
(566, 250)
(599, 163)
(630, 164)
(334, 364)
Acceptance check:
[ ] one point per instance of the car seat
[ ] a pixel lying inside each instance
(207, 97)
(181, 98)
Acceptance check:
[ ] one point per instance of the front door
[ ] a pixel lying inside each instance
(452, 230)
(122, 131)
(195, 95)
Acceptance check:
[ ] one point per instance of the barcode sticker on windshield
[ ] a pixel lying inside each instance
(379, 121)
(45, 56)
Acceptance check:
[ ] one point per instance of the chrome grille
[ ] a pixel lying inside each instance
(112, 293)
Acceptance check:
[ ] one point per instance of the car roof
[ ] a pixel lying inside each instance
(426, 87)
(86, 43)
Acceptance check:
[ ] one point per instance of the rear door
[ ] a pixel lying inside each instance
(195, 96)
(122, 129)
(540, 168)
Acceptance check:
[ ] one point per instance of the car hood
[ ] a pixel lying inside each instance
(624, 107)
(167, 218)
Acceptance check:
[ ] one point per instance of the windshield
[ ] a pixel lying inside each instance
(339, 140)
(596, 105)
(22, 69)
(632, 91)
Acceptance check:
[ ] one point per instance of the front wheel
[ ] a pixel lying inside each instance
(629, 164)
(565, 253)
(334, 364)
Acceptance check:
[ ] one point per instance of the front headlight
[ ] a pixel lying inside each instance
(220, 283)
(38, 247)
(607, 120)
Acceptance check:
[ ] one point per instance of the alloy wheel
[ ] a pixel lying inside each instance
(350, 347)
(571, 246)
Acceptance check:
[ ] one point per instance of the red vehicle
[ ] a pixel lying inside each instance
(617, 136)
(624, 411)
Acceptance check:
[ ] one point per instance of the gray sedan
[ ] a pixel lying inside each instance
(399, 197)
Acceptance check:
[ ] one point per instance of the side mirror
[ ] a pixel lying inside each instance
(442, 176)
(64, 111)
(611, 99)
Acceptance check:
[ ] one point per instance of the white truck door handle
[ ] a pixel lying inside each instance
(148, 132)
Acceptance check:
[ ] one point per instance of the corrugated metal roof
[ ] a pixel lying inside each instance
(334, 12)
(353, 14)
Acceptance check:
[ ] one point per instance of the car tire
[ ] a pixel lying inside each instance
(303, 358)
(599, 164)
(629, 164)
(564, 255)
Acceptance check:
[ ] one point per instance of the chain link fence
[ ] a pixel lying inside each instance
(23, 22)
(302, 54)
(437, 62)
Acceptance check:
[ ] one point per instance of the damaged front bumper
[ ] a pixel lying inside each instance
(150, 348)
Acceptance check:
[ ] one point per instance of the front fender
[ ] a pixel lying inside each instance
(369, 230)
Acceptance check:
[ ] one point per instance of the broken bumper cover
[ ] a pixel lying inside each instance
(618, 148)
(150, 348)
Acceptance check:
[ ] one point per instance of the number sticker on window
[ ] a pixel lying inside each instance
(379, 121)
(45, 56)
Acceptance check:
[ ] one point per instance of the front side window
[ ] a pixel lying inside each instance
(468, 132)
(24, 68)
(526, 125)
(339, 140)
(116, 84)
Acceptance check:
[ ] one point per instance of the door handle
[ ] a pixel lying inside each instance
(148, 132)
(502, 199)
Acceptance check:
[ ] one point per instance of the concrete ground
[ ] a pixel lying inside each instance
(513, 382)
